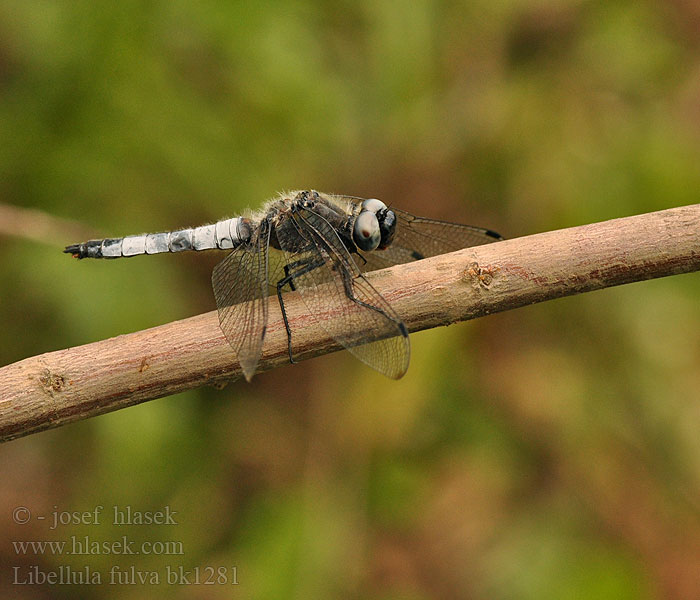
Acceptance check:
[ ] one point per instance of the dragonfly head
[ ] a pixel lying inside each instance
(385, 223)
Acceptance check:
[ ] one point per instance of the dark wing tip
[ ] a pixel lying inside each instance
(493, 234)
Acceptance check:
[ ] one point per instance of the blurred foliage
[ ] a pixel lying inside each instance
(549, 452)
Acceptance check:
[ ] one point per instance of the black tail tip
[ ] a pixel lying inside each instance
(73, 249)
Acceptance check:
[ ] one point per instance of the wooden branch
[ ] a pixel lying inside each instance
(67, 385)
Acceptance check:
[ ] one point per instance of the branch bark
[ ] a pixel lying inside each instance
(60, 387)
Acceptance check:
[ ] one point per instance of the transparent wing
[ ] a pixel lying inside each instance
(277, 261)
(417, 238)
(328, 280)
(240, 289)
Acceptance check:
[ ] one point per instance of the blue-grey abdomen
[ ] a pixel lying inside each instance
(226, 234)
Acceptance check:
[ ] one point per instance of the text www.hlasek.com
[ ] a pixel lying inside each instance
(84, 545)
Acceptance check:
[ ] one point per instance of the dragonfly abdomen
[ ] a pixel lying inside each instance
(224, 235)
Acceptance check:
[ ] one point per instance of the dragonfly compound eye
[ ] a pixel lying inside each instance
(373, 205)
(365, 233)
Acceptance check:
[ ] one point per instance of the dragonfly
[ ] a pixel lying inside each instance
(319, 245)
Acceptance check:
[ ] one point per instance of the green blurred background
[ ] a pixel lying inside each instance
(547, 452)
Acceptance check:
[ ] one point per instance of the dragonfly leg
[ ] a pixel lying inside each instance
(293, 265)
(306, 265)
(291, 282)
(347, 285)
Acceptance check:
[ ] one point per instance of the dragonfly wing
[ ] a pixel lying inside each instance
(417, 238)
(240, 289)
